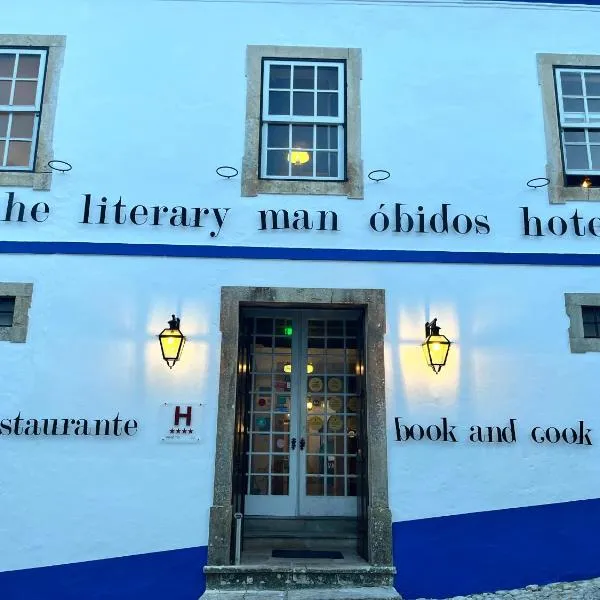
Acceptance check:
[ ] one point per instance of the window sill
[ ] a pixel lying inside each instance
(253, 186)
(564, 194)
(37, 181)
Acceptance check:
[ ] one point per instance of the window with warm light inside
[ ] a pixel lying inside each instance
(578, 94)
(22, 74)
(303, 120)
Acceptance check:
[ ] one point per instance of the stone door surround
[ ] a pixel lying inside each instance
(373, 302)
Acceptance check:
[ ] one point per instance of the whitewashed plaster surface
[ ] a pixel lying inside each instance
(151, 101)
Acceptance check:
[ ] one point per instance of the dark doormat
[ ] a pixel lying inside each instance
(306, 554)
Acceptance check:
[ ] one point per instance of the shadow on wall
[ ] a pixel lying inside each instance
(174, 574)
(497, 550)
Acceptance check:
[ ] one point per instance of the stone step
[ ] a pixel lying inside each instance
(297, 577)
(343, 544)
(364, 593)
(315, 527)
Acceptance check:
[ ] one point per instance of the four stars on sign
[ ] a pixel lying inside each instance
(181, 430)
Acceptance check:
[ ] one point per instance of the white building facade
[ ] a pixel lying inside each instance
(304, 185)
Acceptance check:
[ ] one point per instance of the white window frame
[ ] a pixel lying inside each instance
(585, 123)
(292, 119)
(36, 108)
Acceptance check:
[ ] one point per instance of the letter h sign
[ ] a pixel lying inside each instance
(179, 415)
(181, 422)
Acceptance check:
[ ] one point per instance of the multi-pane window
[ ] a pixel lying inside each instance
(22, 73)
(590, 316)
(303, 120)
(7, 310)
(578, 92)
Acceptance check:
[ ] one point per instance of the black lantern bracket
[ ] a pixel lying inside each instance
(62, 166)
(538, 182)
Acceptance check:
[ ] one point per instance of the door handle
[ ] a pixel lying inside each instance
(293, 443)
(302, 443)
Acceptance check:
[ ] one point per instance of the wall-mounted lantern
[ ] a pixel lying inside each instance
(435, 347)
(171, 342)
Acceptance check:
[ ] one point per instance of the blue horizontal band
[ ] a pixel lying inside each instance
(325, 254)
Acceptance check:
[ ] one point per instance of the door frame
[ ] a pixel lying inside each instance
(379, 520)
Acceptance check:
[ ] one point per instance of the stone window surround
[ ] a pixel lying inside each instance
(39, 179)
(379, 526)
(558, 193)
(252, 184)
(573, 304)
(22, 293)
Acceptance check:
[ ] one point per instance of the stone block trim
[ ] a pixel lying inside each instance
(577, 341)
(41, 177)
(252, 184)
(577, 590)
(22, 293)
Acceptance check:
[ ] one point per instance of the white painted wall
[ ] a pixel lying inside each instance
(152, 100)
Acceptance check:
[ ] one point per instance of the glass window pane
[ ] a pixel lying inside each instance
(327, 137)
(304, 103)
(573, 104)
(571, 83)
(316, 328)
(592, 84)
(335, 486)
(278, 137)
(302, 136)
(277, 163)
(594, 135)
(281, 422)
(260, 442)
(280, 485)
(280, 464)
(265, 325)
(595, 152)
(315, 465)
(327, 164)
(7, 65)
(304, 78)
(327, 104)
(22, 125)
(2, 147)
(28, 66)
(589, 330)
(279, 103)
(574, 135)
(327, 78)
(18, 154)
(259, 485)
(352, 486)
(24, 93)
(260, 463)
(593, 105)
(577, 157)
(315, 486)
(3, 123)
(279, 76)
(5, 87)
(304, 169)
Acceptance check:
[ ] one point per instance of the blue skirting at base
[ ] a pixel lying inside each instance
(172, 575)
(497, 550)
(439, 557)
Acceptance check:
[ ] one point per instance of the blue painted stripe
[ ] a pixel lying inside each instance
(174, 574)
(500, 549)
(326, 254)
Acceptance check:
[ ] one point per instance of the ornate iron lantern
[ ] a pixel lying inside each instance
(435, 347)
(171, 342)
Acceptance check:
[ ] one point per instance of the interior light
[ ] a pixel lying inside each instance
(298, 157)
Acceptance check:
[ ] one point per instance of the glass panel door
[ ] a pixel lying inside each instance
(272, 480)
(329, 422)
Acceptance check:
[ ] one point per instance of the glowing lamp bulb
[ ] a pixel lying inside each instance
(298, 157)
